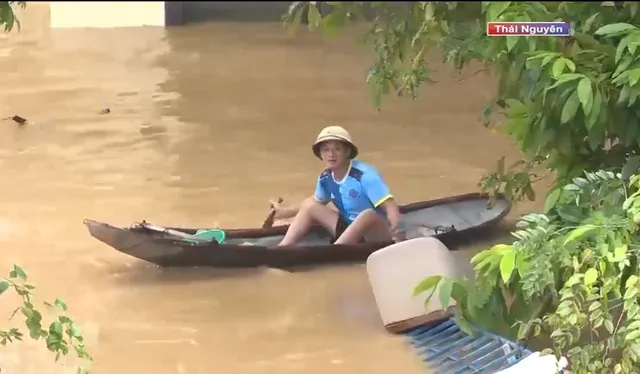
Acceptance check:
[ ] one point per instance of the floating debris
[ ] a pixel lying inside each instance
(17, 119)
(275, 271)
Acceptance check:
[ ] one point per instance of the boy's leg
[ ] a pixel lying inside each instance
(369, 225)
(311, 211)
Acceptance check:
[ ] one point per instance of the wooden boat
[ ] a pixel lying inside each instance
(452, 220)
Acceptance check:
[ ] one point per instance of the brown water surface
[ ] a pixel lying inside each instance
(207, 123)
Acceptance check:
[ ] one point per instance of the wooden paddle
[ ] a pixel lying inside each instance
(268, 223)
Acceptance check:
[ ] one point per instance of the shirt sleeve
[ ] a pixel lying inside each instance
(321, 193)
(375, 188)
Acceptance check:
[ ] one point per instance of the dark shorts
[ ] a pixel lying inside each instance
(341, 226)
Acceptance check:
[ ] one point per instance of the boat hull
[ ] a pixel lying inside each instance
(468, 214)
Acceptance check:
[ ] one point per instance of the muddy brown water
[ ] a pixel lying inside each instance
(207, 123)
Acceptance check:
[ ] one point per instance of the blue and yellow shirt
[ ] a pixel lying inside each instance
(362, 188)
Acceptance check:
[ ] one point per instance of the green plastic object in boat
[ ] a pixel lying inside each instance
(219, 235)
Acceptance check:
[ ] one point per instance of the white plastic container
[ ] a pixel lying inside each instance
(393, 273)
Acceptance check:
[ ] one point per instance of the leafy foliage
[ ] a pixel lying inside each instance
(7, 17)
(63, 334)
(578, 266)
(568, 102)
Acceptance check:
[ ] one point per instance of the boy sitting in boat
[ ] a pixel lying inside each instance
(366, 208)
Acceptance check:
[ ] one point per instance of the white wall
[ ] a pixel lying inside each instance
(105, 14)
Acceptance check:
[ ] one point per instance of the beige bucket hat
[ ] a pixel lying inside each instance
(334, 133)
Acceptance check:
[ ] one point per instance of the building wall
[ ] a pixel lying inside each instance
(233, 11)
(105, 14)
(72, 14)
(243, 11)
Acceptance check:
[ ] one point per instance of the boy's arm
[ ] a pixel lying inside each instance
(380, 195)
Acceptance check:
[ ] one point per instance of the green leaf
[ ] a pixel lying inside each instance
(565, 78)
(462, 322)
(590, 276)
(573, 319)
(522, 265)
(495, 9)
(481, 256)
(19, 272)
(4, 286)
(595, 305)
(314, 16)
(547, 58)
(621, 252)
(586, 26)
(622, 46)
(540, 55)
(55, 328)
(625, 62)
(445, 293)
(335, 22)
(570, 64)
(630, 167)
(511, 42)
(515, 108)
(632, 46)
(608, 325)
(551, 200)
(76, 331)
(570, 77)
(570, 108)
(427, 284)
(595, 110)
(585, 94)
(60, 304)
(633, 335)
(578, 233)
(632, 281)
(507, 264)
(501, 248)
(558, 67)
(293, 17)
(614, 29)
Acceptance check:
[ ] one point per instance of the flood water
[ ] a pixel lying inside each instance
(207, 123)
